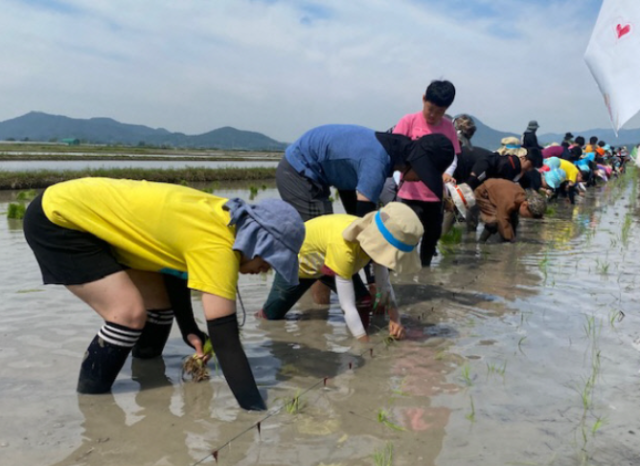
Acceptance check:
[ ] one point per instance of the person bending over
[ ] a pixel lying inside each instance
(132, 250)
(340, 245)
(501, 202)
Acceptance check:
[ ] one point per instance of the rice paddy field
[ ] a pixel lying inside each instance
(517, 354)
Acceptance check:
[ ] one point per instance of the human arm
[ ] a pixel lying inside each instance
(448, 174)
(347, 299)
(222, 325)
(180, 298)
(388, 299)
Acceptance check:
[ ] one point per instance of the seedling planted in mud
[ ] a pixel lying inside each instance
(615, 316)
(385, 456)
(294, 405)
(466, 375)
(602, 267)
(492, 368)
(472, 415)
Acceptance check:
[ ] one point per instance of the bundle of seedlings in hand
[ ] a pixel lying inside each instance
(195, 368)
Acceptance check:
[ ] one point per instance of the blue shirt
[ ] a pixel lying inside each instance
(344, 156)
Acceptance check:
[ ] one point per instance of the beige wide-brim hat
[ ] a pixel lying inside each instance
(462, 196)
(390, 237)
(511, 146)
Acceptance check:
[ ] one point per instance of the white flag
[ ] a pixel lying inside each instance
(613, 56)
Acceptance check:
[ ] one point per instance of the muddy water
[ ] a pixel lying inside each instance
(517, 354)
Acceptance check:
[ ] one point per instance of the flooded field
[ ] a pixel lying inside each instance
(517, 354)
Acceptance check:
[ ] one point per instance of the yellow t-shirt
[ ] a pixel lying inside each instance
(324, 245)
(570, 169)
(157, 227)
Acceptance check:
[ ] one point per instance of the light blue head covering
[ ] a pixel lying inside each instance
(271, 229)
(555, 177)
(552, 162)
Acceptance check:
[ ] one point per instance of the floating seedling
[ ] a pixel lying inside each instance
(385, 456)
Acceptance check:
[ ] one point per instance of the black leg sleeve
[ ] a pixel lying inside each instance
(349, 199)
(180, 299)
(364, 207)
(233, 361)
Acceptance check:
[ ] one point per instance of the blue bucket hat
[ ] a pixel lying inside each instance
(552, 162)
(555, 177)
(271, 229)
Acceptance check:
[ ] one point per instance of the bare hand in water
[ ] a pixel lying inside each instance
(396, 330)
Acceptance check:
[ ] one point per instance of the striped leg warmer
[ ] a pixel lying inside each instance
(105, 356)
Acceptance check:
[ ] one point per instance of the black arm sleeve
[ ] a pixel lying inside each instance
(364, 207)
(233, 361)
(180, 299)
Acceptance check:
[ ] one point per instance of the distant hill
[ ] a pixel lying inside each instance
(488, 137)
(38, 126)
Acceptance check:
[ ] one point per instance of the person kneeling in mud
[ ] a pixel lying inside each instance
(340, 245)
(501, 202)
(132, 250)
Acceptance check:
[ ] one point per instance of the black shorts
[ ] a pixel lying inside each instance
(66, 257)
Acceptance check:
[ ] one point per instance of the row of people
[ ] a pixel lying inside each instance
(134, 250)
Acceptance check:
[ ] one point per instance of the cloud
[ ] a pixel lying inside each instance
(283, 66)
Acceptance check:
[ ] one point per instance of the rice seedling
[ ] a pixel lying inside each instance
(16, 211)
(27, 195)
(294, 405)
(453, 236)
(602, 267)
(385, 456)
(466, 375)
(598, 424)
(626, 228)
(383, 418)
(493, 368)
(44, 178)
(472, 415)
(615, 316)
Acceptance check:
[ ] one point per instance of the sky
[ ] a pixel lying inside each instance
(281, 67)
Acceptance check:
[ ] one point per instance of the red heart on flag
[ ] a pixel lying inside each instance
(622, 30)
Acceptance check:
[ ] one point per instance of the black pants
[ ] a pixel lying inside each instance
(430, 215)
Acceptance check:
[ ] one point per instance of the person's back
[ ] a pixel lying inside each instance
(467, 159)
(490, 165)
(342, 156)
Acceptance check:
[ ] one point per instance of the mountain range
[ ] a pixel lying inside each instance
(38, 126)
